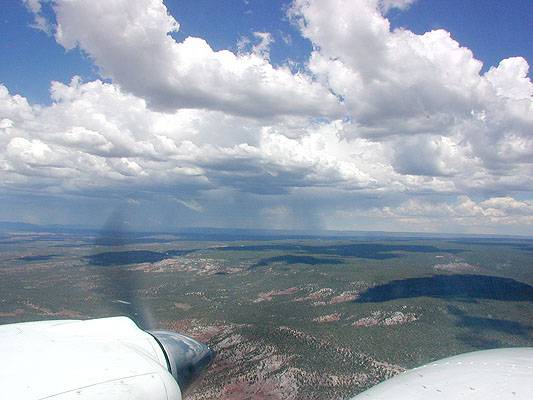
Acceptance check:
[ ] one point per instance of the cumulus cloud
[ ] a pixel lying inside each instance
(420, 93)
(386, 5)
(472, 216)
(129, 40)
(381, 121)
(428, 159)
(510, 79)
(94, 133)
(392, 82)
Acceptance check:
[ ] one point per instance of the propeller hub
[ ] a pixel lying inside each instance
(187, 358)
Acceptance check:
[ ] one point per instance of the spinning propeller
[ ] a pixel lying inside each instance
(186, 358)
(116, 358)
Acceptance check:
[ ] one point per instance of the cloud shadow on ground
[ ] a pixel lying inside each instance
(132, 257)
(459, 286)
(373, 251)
(479, 324)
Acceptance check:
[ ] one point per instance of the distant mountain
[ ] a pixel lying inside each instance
(208, 233)
(19, 227)
(336, 234)
(56, 228)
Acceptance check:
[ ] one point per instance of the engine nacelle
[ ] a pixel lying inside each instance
(107, 358)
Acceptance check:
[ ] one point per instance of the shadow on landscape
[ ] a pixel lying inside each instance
(372, 251)
(133, 257)
(526, 245)
(288, 259)
(460, 286)
(124, 287)
(479, 342)
(479, 324)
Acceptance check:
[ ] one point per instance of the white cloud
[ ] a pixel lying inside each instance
(129, 41)
(468, 215)
(243, 44)
(510, 79)
(386, 5)
(421, 94)
(262, 49)
(286, 37)
(393, 118)
(40, 21)
(392, 82)
(420, 155)
(94, 134)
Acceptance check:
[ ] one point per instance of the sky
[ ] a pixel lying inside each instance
(389, 115)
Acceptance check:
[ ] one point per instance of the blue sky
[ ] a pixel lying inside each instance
(312, 114)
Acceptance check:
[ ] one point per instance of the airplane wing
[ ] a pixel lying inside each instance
(106, 358)
(112, 359)
(488, 374)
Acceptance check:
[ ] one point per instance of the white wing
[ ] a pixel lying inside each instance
(107, 358)
(488, 374)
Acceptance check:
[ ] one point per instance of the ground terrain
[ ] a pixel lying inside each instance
(294, 318)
